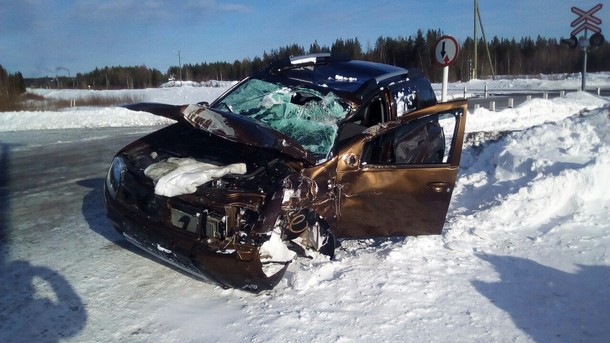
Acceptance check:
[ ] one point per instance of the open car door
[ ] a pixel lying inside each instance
(398, 180)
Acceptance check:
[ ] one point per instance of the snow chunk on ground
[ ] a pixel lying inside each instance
(275, 254)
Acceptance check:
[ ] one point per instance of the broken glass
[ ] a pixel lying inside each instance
(304, 114)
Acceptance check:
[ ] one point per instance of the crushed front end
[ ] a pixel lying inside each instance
(224, 231)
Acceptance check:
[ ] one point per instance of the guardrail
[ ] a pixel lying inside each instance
(495, 99)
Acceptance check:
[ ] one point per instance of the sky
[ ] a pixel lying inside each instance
(64, 37)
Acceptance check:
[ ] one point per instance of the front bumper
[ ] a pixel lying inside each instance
(232, 265)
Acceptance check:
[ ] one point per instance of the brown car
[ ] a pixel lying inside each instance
(306, 151)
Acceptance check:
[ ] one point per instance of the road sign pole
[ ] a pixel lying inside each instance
(584, 71)
(445, 83)
(445, 54)
(583, 42)
(586, 21)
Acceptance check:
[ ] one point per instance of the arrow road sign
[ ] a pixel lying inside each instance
(446, 51)
(586, 20)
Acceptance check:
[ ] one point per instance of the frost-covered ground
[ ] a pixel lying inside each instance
(524, 255)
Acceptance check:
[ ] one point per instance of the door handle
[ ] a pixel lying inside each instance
(439, 187)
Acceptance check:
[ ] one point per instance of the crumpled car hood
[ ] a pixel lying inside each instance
(229, 126)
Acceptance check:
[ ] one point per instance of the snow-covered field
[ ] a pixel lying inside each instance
(524, 255)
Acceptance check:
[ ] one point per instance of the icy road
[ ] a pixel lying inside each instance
(524, 257)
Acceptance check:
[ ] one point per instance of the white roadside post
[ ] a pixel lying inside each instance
(445, 82)
(445, 54)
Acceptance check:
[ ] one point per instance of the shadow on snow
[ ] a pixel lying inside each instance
(37, 304)
(548, 304)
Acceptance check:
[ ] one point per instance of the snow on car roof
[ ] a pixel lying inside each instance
(337, 74)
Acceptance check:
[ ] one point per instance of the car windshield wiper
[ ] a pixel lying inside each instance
(226, 107)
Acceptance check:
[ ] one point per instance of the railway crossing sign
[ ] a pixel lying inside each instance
(446, 51)
(586, 20)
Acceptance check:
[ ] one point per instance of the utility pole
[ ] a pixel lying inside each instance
(179, 67)
(474, 66)
(491, 65)
(478, 21)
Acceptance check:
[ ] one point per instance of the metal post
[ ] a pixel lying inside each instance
(584, 70)
(583, 43)
(180, 68)
(474, 67)
(445, 82)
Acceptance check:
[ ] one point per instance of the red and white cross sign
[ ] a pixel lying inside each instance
(586, 20)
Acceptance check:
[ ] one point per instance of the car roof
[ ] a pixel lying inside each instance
(355, 78)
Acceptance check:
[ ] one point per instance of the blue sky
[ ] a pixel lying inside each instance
(49, 37)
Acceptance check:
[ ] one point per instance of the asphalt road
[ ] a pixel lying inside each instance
(40, 172)
(59, 254)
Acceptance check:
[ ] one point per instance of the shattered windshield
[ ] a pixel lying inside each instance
(304, 114)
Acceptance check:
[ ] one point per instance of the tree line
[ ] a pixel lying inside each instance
(136, 77)
(507, 57)
(11, 85)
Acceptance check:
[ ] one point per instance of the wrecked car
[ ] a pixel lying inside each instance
(307, 151)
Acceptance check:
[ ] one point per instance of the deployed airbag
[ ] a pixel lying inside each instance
(176, 176)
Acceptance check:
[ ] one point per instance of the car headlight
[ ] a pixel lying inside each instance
(115, 175)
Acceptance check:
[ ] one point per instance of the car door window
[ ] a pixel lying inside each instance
(405, 178)
(422, 141)
(409, 95)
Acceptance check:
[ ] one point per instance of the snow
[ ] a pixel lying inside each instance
(570, 82)
(524, 255)
(533, 112)
(275, 254)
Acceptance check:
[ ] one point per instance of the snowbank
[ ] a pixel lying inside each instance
(175, 95)
(533, 112)
(571, 82)
(523, 256)
(78, 118)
